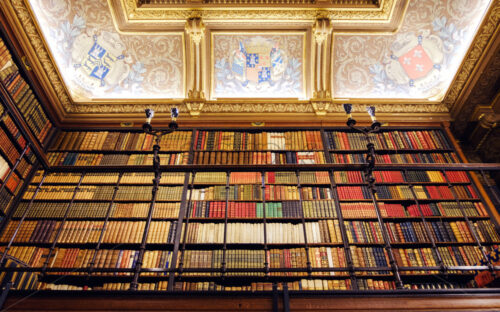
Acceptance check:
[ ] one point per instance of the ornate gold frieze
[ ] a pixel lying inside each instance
(209, 3)
(125, 108)
(394, 108)
(41, 52)
(346, 10)
(484, 36)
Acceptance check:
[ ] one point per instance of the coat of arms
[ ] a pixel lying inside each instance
(98, 61)
(258, 61)
(416, 61)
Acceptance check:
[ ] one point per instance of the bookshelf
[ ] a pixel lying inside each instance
(16, 160)
(293, 218)
(22, 99)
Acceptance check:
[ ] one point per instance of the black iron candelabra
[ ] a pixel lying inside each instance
(370, 180)
(158, 134)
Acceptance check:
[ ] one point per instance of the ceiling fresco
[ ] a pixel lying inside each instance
(262, 65)
(96, 62)
(109, 57)
(417, 62)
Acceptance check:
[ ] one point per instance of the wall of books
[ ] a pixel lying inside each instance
(17, 91)
(243, 209)
(16, 160)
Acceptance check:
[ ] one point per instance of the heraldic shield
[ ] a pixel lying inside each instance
(258, 61)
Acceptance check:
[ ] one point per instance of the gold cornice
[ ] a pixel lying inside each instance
(37, 53)
(488, 31)
(162, 14)
(21, 19)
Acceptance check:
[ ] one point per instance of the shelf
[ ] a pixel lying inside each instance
(118, 245)
(391, 151)
(410, 200)
(260, 151)
(124, 152)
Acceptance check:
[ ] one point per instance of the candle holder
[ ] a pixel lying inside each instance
(158, 134)
(370, 180)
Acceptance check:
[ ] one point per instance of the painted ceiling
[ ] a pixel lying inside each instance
(97, 62)
(120, 56)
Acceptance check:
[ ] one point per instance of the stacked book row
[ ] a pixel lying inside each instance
(458, 231)
(286, 209)
(320, 257)
(448, 209)
(444, 209)
(258, 158)
(85, 159)
(120, 141)
(97, 210)
(406, 158)
(370, 257)
(108, 177)
(391, 140)
(363, 232)
(13, 182)
(306, 177)
(254, 192)
(323, 231)
(93, 192)
(104, 258)
(303, 284)
(25, 99)
(244, 141)
(422, 192)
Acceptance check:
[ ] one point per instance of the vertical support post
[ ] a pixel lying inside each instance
(6, 289)
(424, 222)
(370, 164)
(306, 245)
(59, 231)
(183, 213)
(184, 237)
(275, 297)
(343, 231)
(156, 185)
(224, 247)
(98, 247)
(266, 249)
(286, 298)
(469, 225)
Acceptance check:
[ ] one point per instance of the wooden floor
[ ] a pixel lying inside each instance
(122, 302)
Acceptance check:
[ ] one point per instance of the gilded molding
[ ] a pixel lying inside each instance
(133, 12)
(126, 108)
(258, 108)
(174, 3)
(394, 108)
(36, 41)
(483, 37)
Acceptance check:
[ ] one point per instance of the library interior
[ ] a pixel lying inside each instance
(249, 155)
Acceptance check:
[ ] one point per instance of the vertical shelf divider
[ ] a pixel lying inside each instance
(61, 226)
(224, 247)
(470, 225)
(186, 228)
(183, 212)
(306, 245)
(266, 248)
(444, 269)
(370, 181)
(101, 236)
(343, 231)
